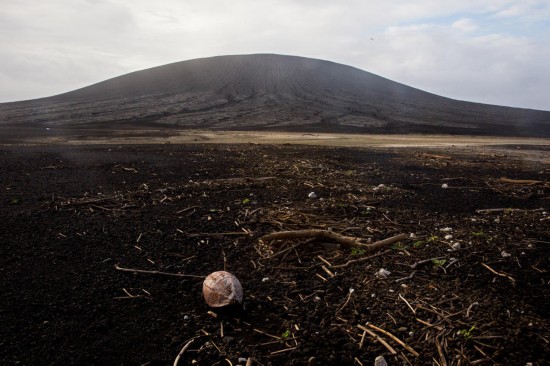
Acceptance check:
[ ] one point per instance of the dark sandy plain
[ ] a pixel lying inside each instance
(470, 286)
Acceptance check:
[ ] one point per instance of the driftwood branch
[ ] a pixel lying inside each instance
(345, 241)
(521, 182)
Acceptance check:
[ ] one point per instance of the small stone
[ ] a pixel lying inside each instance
(380, 361)
(317, 299)
(505, 254)
(265, 279)
(186, 317)
(446, 229)
(448, 237)
(444, 186)
(456, 246)
(312, 195)
(242, 359)
(383, 273)
(412, 235)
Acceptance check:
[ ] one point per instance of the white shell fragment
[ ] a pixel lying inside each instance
(221, 288)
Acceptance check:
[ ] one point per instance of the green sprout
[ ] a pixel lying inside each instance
(418, 244)
(439, 262)
(478, 233)
(246, 201)
(285, 334)
(432, 238)
(467, 333)
(357, 251)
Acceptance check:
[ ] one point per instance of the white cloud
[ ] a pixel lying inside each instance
(465, 25)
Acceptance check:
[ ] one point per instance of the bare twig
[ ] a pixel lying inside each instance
(408, 304)
(499, 273)
(407, 347)
(378, 338)
(118, 268)
(353, 261)
(183, 351)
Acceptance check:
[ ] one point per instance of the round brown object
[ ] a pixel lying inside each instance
(222, 289)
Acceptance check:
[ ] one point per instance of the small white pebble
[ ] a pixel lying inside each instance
(317, 299)
(390, 290)
(412, 235)
(448, 237)
(242, 359)
(505, 254)
(444, 186)
(383, 273)
(446, 229)
(351, 291)
(456, 246)
(265, 279)
(186, 317)
(312, 195)
(497, 220)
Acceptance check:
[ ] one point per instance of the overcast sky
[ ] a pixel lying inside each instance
(489, 51)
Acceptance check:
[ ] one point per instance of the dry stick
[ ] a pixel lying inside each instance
(406, 302)
(526, 182)
(440, 352)
(407, 347)
(500, 274)
(346, 302)
(183, 351)
(345, 241)
(378, 338)
(362, 339)
(118, 268)
(352, 261)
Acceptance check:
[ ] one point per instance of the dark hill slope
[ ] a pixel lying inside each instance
(269, 92)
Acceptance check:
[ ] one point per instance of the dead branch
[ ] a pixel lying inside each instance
(521, 182)
(345, 241)
(122, 269)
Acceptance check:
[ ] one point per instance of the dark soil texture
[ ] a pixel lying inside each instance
(467, 287)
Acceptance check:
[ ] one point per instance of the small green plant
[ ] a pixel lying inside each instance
(467, 333)
(418, 244)
(399, 246)
(357, 251)
(432, 238)
(439, 262)
(478, 233)
(349, 173)
(246, 201)
(285, 334)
